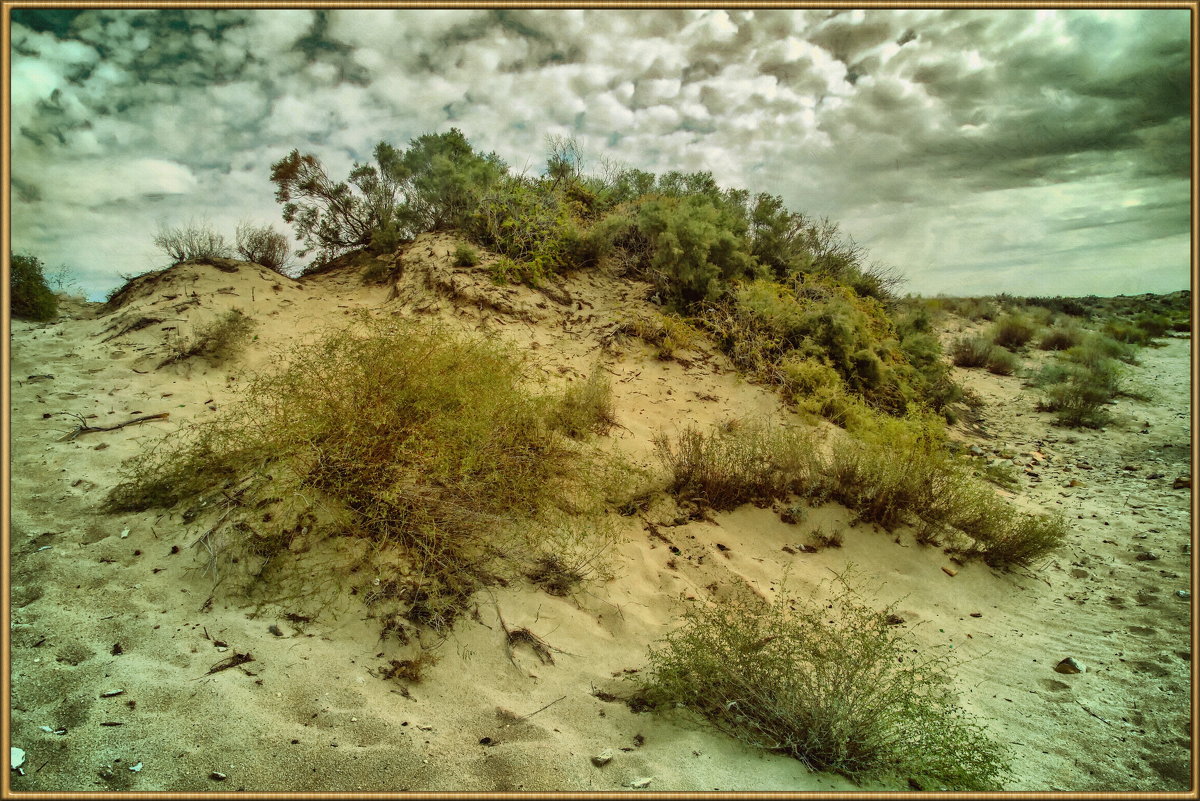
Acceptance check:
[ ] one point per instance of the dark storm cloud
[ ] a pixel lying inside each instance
(932, 135)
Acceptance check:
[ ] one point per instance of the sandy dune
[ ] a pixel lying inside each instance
(104, 603)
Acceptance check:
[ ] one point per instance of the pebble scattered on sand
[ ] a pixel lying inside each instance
(603, 758)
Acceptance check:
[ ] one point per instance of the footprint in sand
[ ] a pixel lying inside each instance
(1142, 631)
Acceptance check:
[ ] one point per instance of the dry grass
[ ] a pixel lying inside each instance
(217, 342)
(832, 684)
(423, 443)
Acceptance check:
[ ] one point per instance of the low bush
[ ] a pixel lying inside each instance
(218, 341)
(1079, 392)
(465, 256)
(1155, 325)
(970, 351)
(668, 333)
(1127, 332)
(1002, 362)
(587, 407)
(264, 245)
(750, 462)
(191, 242)
(29, 296)
(422, 443)
(1060, 338)
(832, 684)
(1013, 331)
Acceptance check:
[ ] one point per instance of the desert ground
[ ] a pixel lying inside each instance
(115, 622)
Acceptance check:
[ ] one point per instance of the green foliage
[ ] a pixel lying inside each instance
(748, 462)
(669, 333)
(465, 256)
(587, 407)
(216, 342)
(1013, 331)
(971, 351)
(421, 442)
(29, 297)
(521, 221)
(1127, 332)
(264, 245)
(696, 246)
(1061, 337)
(1079, 391)
(1002, 362)
(435, 184)
(831, 684)
(192, 242)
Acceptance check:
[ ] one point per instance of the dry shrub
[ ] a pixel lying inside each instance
(1002, 362)
(1061, 338)
(833, 685)
(970, 351)
(752, 462)
(587, 407)
(264, 245)
(1012, 331)
(192, 242)
(668, 333)
(217, 342)
(422, 442)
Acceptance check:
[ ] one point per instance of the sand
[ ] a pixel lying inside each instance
(101, 603)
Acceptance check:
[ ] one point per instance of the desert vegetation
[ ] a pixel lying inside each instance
(29, 296)
(834, 684)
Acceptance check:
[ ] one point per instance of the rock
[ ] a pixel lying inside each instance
(639, 784)
(1148, 556)
(603, 758)
(975, 450)
(16, 758)
(949, 572)
(977, 614)
(217, 776)
(1069, 665)
(894, 620)
(1182, 482)
(1183, 594)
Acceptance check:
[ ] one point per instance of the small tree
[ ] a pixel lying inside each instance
(264, 245)
(191, 242)
(30, 297)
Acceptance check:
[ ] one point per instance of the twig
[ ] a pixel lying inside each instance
(547, 706)
(231, 662)
(83, 428)
(1093, 714)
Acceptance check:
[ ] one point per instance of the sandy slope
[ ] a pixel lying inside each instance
(310, 712)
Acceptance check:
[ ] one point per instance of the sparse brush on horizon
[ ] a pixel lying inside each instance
(265, 246)
(830, 683)
(193, 241)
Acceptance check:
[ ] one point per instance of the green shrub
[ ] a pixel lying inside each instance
(1127, 332)
(668, 333)
(1002, 362)
(1020, 540)
(264, 245)
(421, 442)
(587, 407)
(465, 256)
(971, 351)
(218, 341)
(696, 246)
(1096, 348)
(29, 297)
(1061, 338)
(749, 462)
(1013, 331)
(1155, 325)
(832, 684)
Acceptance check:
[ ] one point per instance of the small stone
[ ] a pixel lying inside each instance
(1182, 482)
(949, 572)
(1069, 665)
(1148, 556)
(275, 630)
(603, 758)
(217, 776)
(894, 620)
(1183, 594)
(639, 784)
(16, 758)
(977, 614)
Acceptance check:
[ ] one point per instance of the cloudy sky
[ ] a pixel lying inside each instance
(975, 151)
